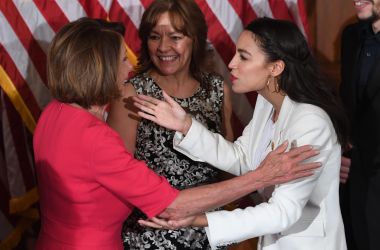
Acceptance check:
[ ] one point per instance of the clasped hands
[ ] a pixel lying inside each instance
(163, 222)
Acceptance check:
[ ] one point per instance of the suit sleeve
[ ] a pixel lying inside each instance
(285, 206)
(127, 178)
(200, 144)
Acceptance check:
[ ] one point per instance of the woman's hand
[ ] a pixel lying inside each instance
(344, 169)
(168, 113)
(281, 167)
(159, 223)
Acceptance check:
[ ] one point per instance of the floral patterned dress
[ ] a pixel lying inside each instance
(154, 145)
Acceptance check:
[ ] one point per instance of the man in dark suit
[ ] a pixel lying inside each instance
(360, 91)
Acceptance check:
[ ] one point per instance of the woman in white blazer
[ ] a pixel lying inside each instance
(294, 104)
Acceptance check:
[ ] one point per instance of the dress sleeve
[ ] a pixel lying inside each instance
(127, 178)
(288, 200)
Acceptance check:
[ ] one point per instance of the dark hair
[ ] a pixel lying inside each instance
(83, 63)
(301, 79)
(115, 26)
(187, 18)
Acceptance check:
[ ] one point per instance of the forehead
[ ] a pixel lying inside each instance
(164, 20)
(169, 23)
(247, 41)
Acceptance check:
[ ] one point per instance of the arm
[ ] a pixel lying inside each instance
(123, 117)
(170, 115)
(277, 167)
(286, 206)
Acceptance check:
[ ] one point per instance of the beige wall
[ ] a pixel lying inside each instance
(327, 19)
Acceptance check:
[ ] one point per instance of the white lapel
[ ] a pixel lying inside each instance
(261, 114)
(285, 112)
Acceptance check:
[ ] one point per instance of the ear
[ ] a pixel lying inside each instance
(277, 67)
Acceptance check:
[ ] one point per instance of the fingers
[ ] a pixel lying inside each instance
(345, 161)
(295, 152)
(156, 223)
(303, 154)
(168, 98)
(148, 223)
(280, 149)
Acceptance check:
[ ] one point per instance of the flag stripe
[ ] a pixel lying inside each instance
(19, 83)
(280, 10)
(228, 19)
(20, 148)
(261, 8)
(72, 9)
(35, 22)
(216, 33)
(244, 10)
(93, 9)
(131, 36)
(16, 21)
(52, 13)
(146, 3)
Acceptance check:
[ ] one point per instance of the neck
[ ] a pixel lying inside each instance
(98, 111)
(179, 85)
(176, 79)
(276, 99)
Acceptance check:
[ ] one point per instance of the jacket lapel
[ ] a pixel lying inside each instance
(260, 116)
(285, 112)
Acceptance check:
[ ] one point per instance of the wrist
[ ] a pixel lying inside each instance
(200, 221)
(186, 125)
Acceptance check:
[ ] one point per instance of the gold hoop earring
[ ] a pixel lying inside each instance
(276, 86)
(268, 82)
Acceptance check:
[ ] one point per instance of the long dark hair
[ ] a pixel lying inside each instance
(301, 79)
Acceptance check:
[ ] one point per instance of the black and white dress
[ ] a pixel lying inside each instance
(154, 145)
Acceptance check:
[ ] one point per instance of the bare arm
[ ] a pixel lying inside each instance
(123, 117)
(278, 167)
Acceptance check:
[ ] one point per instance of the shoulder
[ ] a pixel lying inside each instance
(144, 84)
(214, 80)
(308, 119)
(105, 142)
(213, 77)
(352, 30)
(309, 112)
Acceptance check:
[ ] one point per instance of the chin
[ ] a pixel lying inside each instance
(238, 90)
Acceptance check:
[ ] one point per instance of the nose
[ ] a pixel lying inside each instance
(164, 43)
(232, 63)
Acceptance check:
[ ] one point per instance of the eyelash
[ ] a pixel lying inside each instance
(156, 37)
(243, 58)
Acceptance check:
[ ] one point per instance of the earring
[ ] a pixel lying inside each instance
(276, 86)
(268, 82)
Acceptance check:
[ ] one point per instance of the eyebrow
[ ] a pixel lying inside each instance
(243, 51)
(169, 33)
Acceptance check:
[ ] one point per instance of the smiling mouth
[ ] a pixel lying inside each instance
(361, 3)
(167, 58)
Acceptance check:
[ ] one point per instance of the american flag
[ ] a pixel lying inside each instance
(27, 27)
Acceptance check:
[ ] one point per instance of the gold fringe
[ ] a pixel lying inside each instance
(15, 97)
(19, 204)
(28, 218)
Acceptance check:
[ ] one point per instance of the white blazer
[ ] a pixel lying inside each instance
(302, 214)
